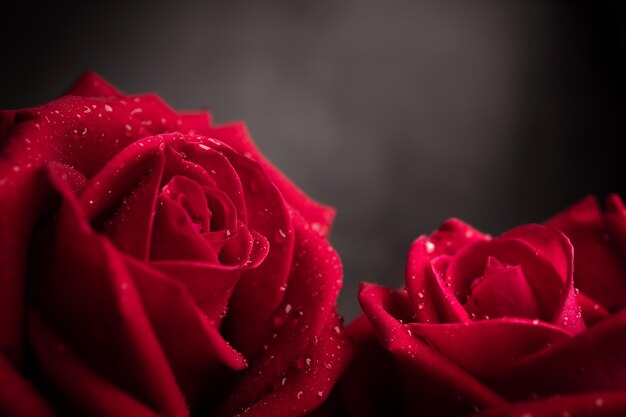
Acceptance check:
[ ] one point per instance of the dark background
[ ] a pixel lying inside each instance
(400, 114)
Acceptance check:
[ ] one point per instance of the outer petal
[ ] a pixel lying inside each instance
(599, 265)
(588, 362)
(486, 346)
(598, 404)
(372, 384)
(101, 318)
(85, 392)
(18, 398)
(307, 385)
(440, 386)
(91, 84)
(260, 290)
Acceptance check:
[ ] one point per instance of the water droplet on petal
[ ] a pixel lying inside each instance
(430, 246)
(280, 236)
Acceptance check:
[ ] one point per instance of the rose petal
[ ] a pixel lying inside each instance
(590, 361)
(260, 290)
(84, 391)
(599, 271)
(448, 239)
(591, 310)
(545, 256)
(102, 317)
(314, 282)
(372, 384)
(440, 295)
(23, 197)
(303, 388)
(441, 387)
(596, 404)
(18, 398)
(454, 234)
(486, 346)
(175, 238)
(502, 292)
(196, 351)
(90, 84)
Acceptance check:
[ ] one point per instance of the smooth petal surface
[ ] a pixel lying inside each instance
(599, 266)
(590, 361)
(600, 404)
(18, 398)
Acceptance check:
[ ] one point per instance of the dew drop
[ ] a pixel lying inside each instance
(280, 236)
(299, 394)
(430, 246)
(108, 108)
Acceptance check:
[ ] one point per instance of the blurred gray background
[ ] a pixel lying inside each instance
(400, 114)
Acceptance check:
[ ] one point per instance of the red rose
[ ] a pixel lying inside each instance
(524, 324)
(152, 264)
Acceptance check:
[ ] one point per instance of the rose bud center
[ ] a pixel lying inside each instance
(502, 291)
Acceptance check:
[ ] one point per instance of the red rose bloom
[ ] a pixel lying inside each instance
(524, 324)
(152, 264)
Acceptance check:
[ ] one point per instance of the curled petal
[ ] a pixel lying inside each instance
(486, 346)
(444, 388)
(599, 267)
(314, 283)
(587, 362)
